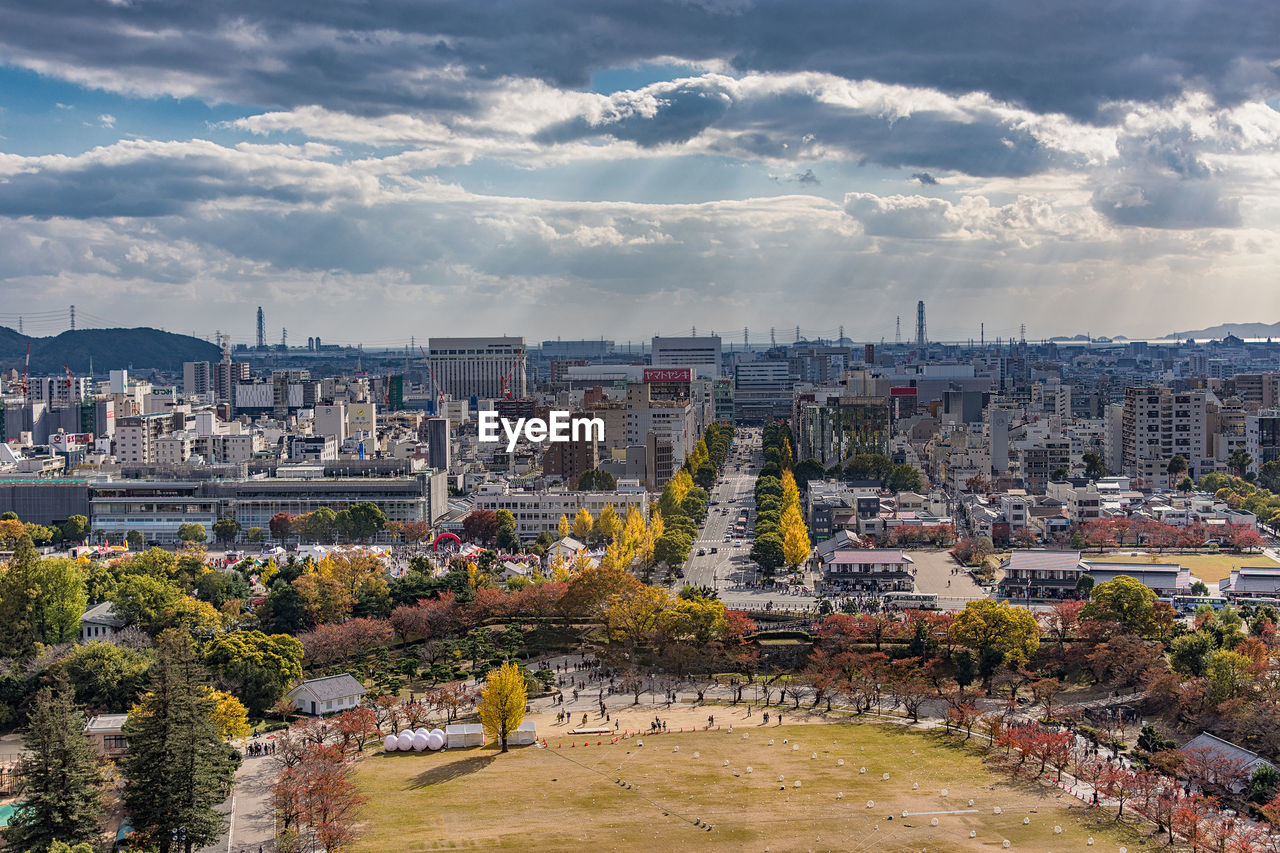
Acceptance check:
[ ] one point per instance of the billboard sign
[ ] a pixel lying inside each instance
(668, 374)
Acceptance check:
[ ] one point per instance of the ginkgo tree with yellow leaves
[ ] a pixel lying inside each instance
(502, 702)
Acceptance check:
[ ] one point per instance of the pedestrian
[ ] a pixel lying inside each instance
(766, 718)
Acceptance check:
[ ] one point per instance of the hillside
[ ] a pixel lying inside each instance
(1240, 330)
(110, 349)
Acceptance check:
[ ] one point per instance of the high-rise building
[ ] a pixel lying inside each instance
(702, 353)
(922, 338)
(197, 379)
(1159, 424)
(438, 443)
(479, 367)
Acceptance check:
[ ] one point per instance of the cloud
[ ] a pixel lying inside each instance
(924, 178)
(1165, 203)
(384, 56)
(107, 120)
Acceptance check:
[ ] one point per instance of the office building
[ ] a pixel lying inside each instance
(479, 367)
(701, 353)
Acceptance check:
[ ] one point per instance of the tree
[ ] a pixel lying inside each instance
(1177, 466)
(903, 478)
(315, 795)
(1094, 467)
(60, 797)
(145, 601)
(563, 529)
(502, 702)
(41, 600)
(281, 526)
(367, 519)
(795, 537)
(178, 769)
(192, 532)
(582, 525)
(254, 534)
(229, 715)
(985, 626)
(134, 540)
(1061, 621)
(1125, 600)
(75, 529)
(767, 551)
(226, 529)
(1239, 461)
(1186, 485)
(259, 667)
(106, 676)
(868, 466)
(607, 527)
(1199, 587)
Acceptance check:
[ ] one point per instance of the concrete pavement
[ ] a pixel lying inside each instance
(250, 823)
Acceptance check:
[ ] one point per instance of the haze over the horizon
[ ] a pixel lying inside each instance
(371, 172)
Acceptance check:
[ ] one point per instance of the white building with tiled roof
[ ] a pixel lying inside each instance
(331, 695)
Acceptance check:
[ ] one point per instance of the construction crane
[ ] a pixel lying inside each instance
(439, 392)
(26, 376)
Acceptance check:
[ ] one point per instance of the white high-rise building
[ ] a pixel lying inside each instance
(701, 353)
(480, 367)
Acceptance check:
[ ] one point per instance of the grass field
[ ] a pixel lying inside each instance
(568, 799)
(1209, 568)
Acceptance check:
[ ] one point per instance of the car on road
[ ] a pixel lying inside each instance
(715, 550)
(702, 552)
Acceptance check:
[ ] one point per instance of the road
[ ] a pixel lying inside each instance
(251, 826)
(731, 564)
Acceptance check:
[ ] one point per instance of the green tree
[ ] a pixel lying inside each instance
(260, 667)
(1125, 600)
(41, 600)
(1189, 654)
(226, 529)
(1094, 467)
(903, 478)
(868, 466)
(75, 529)
(134, 540)
(145, 601)
(367, 519)
(1186, 485)
(1176, 467)
(672, 548)
(61, 796)
(1084, 585)
(768, 552)
(1239, 461)
(178, 768)
(1263, 782)
(106, 676)
(254, 534)
(1199, 587)
(192, 532)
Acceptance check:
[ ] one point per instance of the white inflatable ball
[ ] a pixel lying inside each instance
(971, 802)
(726, 762)
(797, 784)
(933, 822)
(945, 792)
(770, 741)
(423, 731)
(1005, 843)
(436, 732)
(862, 770)
(435, 741)
(419, 742)
(973, 833)
(390, 743)
(1124, 850)
(1026, 821)
(885, 777)
(905, 813)
(839, 762)
(915, 786)
(839, 795)
(871, 804)
(813, 755)
(996, 810)
(675, 749)
(748, 768)
(1057, 830)
(1090, 841)
(406, 741)
(696, 755)
(779, 778)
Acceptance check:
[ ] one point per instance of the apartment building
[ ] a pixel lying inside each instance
(538, 511)
(1158, 424)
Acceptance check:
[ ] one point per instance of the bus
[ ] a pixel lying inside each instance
(910, 600)
(1188, 603)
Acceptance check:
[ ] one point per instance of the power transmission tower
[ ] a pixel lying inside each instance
(745, 345)
(797, 334)
(773, 337)
(284, 339)
(897, 330)
(73, 318)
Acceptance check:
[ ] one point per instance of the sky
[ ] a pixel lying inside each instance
(385, 171)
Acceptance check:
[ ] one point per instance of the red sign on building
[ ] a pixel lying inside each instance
(902, 392)
(668, 374)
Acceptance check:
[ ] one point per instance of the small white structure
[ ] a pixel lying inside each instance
(526, 735)
(330, 695)
(100, 622)
(460, 735)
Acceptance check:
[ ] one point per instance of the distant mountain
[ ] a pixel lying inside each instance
(109, 349)
(1240, 330)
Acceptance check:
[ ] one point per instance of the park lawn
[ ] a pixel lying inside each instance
(1210, 568)
(568, 799)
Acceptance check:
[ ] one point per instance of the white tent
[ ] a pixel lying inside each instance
(525, 735)
(464, 734)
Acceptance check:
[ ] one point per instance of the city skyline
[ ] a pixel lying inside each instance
(392, 172)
